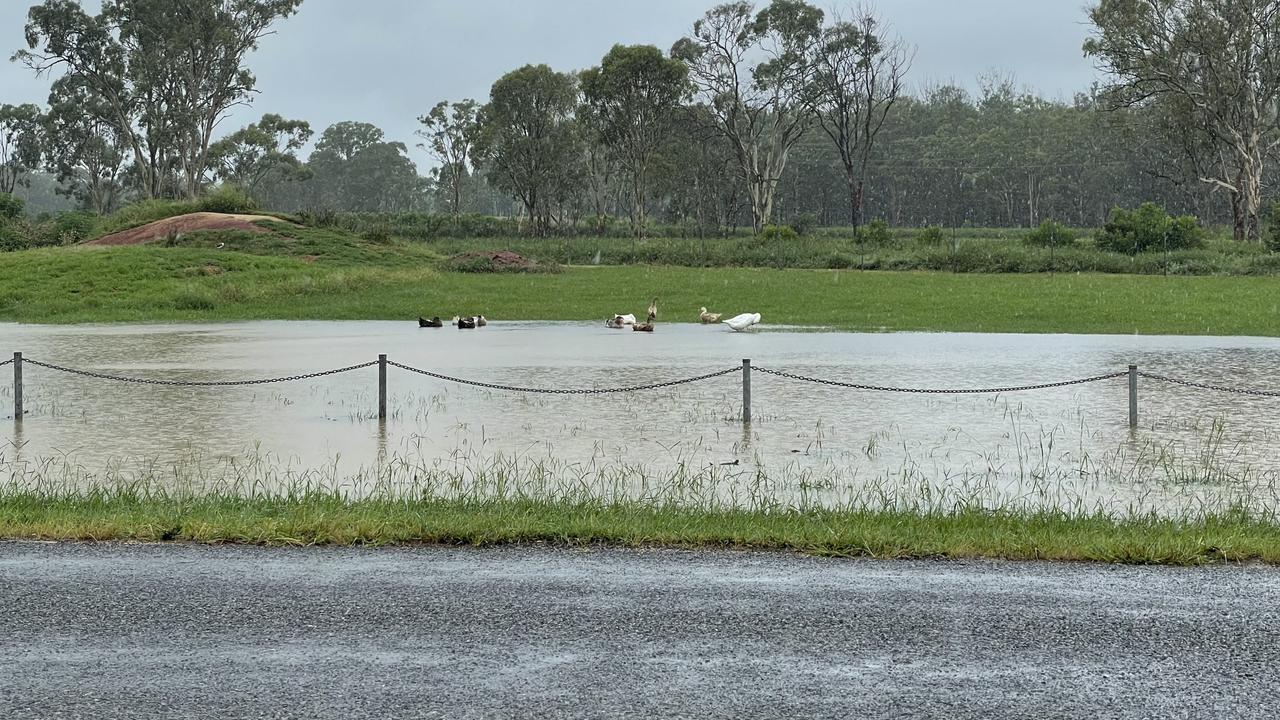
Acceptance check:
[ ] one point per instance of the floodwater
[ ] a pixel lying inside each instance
(800, 430)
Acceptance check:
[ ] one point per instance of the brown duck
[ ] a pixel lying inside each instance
(647, 326)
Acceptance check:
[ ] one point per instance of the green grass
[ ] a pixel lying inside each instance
(326, 519)
(987, 254)
(296, 272)
(315, 273)
(313, 277)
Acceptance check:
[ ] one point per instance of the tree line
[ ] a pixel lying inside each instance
(760, 114)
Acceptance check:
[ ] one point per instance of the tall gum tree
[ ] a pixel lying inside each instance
(265, 149)
(754, 72)
(530, 140)
(21, 143)
(86, 153)
(450, 132)
(1215, 64)
(858, 77)
(166, 71)
(632, 98)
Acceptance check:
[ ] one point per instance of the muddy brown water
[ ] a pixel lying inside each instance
(801, 431)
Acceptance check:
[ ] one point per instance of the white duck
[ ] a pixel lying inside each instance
(743, 321)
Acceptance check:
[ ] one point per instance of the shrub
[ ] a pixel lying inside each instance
(932, 236)
(73, 227)
(473, 225)
(804, 223)
(875, 232)
(380, 234)
(1272, 238)
(320, 217)
(227, 199)
(774, 233)
(1148, 228)
(11, 207)
(1050, 234)
(840, 261)
(12, 237)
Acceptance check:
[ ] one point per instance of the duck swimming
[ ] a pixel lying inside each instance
(647, 326)
(465, 323)
(480, 321)
(617, 322)
(743, 321)
(433, 322)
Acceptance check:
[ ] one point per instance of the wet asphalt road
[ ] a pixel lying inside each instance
(148, 631)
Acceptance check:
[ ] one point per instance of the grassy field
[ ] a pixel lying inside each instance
(324, 519)
(305, 273)
(319, 274)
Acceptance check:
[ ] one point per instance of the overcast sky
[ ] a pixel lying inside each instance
(388, 61)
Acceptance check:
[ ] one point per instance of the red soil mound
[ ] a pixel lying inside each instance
(161, 229)
(501, 259)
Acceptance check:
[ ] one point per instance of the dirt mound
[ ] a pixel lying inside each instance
(168, 227)
(500, 259)
(494, 261)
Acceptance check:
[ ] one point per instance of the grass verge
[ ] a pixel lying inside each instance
(329, 520)
(321, 274)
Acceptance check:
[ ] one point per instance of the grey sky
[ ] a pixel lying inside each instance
(388, 61)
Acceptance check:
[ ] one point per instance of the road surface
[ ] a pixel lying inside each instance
(168, 631)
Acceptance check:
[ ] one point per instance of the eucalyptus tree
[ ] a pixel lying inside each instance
(354, 168)
(858, 77)
(530, 142)
(1214, 67)
(21, 144)
(86, 153)
(451, 132)
(754, 71)
(267, 149)
(633, 97)
(698, 174)
(599, 168)
(166, 72)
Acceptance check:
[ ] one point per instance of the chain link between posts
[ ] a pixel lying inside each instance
(196, 383)
(933, 391)
(650, 386)
(1203, 386)
(566, 391)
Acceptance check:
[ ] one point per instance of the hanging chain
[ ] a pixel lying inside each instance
(198, 383)
(651, 386)
(932, 391)
(1203, 386)
(567, 391)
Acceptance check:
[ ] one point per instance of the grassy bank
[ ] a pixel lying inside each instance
(323, 519)
(981, 255)
(963, 249)
(342, 278)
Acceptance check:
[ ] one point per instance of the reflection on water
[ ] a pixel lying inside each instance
(799, 431)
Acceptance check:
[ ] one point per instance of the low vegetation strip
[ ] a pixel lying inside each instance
(325, 519)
